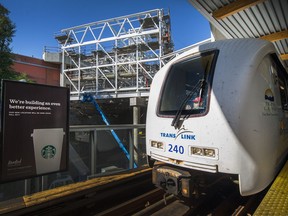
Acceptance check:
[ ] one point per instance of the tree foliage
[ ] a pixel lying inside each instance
(7, 31)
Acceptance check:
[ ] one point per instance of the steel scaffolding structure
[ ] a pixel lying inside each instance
(115, 57)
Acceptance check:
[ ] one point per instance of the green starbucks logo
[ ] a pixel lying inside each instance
(48, 152)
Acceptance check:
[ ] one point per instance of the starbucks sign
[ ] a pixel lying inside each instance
(40, 113)
(48, 152)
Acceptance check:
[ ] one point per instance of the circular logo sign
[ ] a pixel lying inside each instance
(48, 152)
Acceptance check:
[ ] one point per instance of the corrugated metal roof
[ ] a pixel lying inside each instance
(265, 19)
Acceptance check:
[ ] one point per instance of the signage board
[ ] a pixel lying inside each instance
(34, 130)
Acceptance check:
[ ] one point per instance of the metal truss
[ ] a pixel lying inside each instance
(115, 57)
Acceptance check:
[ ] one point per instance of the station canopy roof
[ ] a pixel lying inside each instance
(266, 19)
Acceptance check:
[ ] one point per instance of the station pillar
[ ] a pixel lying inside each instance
(136, 103)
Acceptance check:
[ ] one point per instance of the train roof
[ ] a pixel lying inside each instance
(247, 52)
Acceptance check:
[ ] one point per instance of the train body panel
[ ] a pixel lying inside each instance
(241, 125)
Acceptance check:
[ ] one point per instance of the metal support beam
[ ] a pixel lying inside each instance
(234, 7)
(284, 57)
(276, 36)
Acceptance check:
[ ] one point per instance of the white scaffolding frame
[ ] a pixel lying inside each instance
(115, 57)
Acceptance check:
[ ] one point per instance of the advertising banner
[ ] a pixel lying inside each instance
(34, 130)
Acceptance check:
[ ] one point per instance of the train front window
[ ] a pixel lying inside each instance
(187, 86)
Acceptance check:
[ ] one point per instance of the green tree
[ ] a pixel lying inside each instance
(7, 31)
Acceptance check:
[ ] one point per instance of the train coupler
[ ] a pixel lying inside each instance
(173, 180)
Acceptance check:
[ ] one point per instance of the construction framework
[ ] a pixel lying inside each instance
(116, 57)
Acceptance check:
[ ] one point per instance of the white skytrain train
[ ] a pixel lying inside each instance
(221, 107)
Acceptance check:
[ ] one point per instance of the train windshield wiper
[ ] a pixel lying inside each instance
(199, 86)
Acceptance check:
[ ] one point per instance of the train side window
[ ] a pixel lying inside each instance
(282, 81)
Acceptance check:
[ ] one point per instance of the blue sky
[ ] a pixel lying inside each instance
(38, 20)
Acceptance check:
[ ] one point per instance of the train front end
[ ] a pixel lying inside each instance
(198, 121)
(178, 123)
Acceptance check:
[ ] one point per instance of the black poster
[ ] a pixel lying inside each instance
(34, 130)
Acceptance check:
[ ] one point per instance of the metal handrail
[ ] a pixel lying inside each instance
(74, 128)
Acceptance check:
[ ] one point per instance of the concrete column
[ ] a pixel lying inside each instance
(44, 181)
(136, 117)
(93, 141)
(27, 189)
(136, 103)
(131, 150)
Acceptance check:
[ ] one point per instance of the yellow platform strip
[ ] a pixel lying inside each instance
(275, 201)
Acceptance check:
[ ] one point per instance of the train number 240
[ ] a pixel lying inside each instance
(176, 148)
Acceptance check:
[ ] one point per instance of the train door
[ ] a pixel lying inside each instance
(281, 82)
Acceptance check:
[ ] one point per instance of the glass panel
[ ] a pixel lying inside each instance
(188, 82)
(93, 152)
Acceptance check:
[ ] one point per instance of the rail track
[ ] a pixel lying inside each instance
(221, 199)
(135, 195)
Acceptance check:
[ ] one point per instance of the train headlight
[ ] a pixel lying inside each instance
(157, 144)
(154, 144)
(196, 151)
(160, 145)
(207, 152)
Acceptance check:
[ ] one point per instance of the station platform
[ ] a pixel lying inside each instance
(275, 201)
